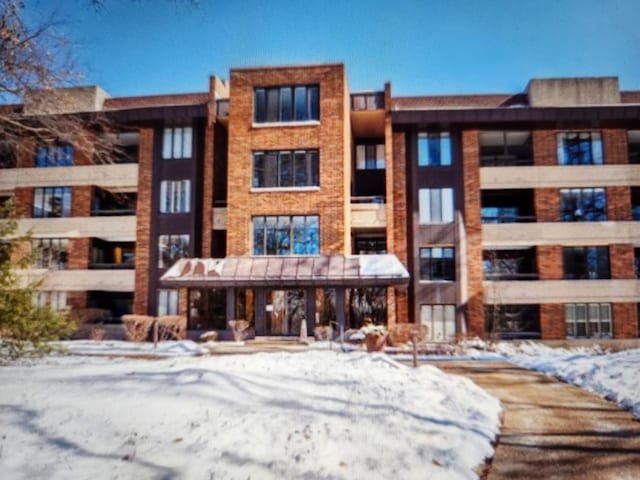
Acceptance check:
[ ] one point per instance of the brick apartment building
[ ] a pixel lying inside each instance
(282, 198)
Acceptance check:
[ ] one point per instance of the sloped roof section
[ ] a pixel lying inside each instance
(307, 271)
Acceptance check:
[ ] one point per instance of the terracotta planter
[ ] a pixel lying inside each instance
(375, 342)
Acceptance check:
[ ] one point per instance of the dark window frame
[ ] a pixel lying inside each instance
(437, 145)
(50, 253)
(437, 264)
(367, 158)
(286, 104)
(580, 148)
(581, 204)
(61, 209)
(173, 249)
(590, 322)
(586, 263)
(510, 154)
(266, 163)
(279, 235)
(55, 155)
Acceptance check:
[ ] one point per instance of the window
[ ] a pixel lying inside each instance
(434, 149)
(8, 155)
(636, 261)
(175, 196)
(440, 321)
(586, 263)
(588, 320)
(285, 169)
(369, 245)
(172, 248)
(435, 205)
(633, 146)
(176, 142)
(370, 157)
(507, 206)
(50, 253)
(580, 148)
(51, 202)
(583, 205)
(500, 148)
(512, 321)
(167, 302)
(437, 263)
(286, 235)
(514, 264)
(286, 104)
(635, 203)
(54, 155)
(56, 300)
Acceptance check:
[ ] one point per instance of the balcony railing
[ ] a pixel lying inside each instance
(367, 101)
(112, 212)
(377, 199)
(111, 266)
(509, 276)
(508, 218)
(504, 161)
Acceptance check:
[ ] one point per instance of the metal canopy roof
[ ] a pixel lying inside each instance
(307, 271)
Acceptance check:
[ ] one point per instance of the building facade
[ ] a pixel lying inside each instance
(514, 215)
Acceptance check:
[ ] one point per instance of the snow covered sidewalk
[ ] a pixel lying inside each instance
(317, 414)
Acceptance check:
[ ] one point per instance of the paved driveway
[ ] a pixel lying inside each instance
(553, 430)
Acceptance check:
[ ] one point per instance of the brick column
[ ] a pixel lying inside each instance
(547, 204)
(473, 227)
(77, 300)
(549, 260)
(81, 201)
(622, 261)
(625, 320)
(143, 222)
(552, 322)
(26, 153)
(614, 144)
(79, 251)
(207, 190)
(397, 216)
(24, 201)
(545, 147)
(619, 203)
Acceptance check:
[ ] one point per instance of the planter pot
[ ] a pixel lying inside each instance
(375, 342)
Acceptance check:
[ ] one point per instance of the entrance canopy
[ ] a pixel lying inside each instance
(309, 271)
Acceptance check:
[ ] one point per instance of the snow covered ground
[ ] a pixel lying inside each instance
(615, 376)
(315, 415)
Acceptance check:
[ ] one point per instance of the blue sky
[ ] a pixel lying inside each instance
(138, 47)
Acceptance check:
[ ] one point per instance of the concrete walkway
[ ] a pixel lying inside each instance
(553, 430)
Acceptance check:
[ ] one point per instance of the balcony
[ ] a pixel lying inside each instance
(111, 255)
(513, 264)
(368, 212)
(502, 148)
(222, 108)
(507, 206)
(367, 101)
(107, 204)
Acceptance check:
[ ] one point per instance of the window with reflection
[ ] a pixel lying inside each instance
(434, 149)
(580, 148)
(437, 263)
(296, 103)
(285, 169)
(583, 204)
(586, 263)
(51, 202)
(50, 253)
(588, 320)
(172, 248)
(57, 155)
(505, 148)
(176, 142)
(435, 205)
(286, 235)
(175, 196)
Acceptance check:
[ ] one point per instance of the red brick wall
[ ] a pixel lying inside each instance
(330, 202)
(552, 321)
(618, 203)
(207, 191)
(473, 225)
(79, 252)
(549, 259)
(77, 299)
(622, 261)
(143, 225)
(397, 219)
(24, 201)
(625, 320)
(545, 147)
(26, 153)
(547, 204)
(81, 201)
(614, 144)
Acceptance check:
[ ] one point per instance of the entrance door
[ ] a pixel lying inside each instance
(440, 321)
(285, 312)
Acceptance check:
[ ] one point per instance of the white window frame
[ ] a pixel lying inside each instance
(167, 302)
(435, 206)
(177, 142)
(586, 320)
(54, 299)
(175, 196)
(442, 315)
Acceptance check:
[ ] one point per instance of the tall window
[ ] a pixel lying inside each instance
(8, 155)
(56, 300)
(172, 248)
(52, 202)
(286, 235)
(370, 157)
(50, 253)
(59, 155)
(434, 149)
(588, 320)
(635, 203)
(580, 148)
(583, 204)
(286, 104)
(175, 196)
(502, 148)
(435, 205)
(176, 142)
(586, 263)
(285, 169)
(633, 146)
(440, 321)
(437, 263)
(167, 302)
